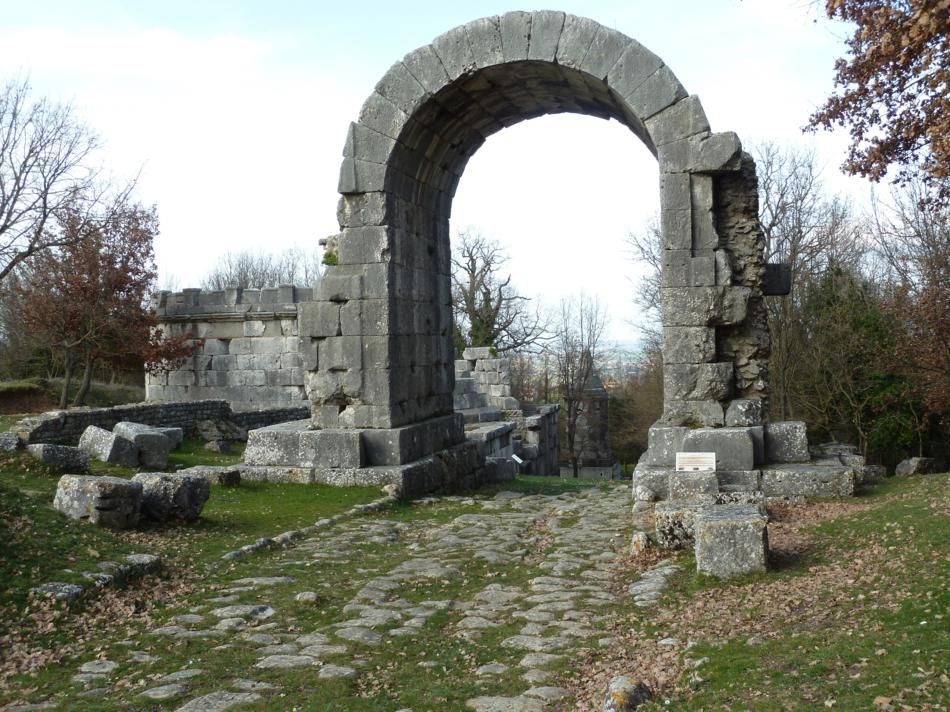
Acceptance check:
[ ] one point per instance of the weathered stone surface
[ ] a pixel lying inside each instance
(168, 496)
(656, 480)
(794, 480)
(663, 442)
(743, 412)
(152, 443)
(107, 501)
(917, 466)
(731, 540)
(786, 441)
(109, 447)
(219, 701)
(734, 447)
(704, 306)
(675, 522)
(701, 381)
(226, 476)
(688, 344)
(58, 590)
(625, 694)
(690, 485)
(693, 414)
(62, 457)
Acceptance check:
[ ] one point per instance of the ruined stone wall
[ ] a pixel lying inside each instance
(250, 351)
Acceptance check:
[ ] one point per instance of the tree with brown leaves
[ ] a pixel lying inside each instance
(87, 301)
(893, 90)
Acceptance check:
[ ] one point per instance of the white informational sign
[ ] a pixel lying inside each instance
(695, 461)
(517, 459)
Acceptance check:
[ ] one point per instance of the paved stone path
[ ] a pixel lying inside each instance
(568, 543)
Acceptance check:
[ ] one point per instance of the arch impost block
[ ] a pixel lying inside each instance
(702, 153)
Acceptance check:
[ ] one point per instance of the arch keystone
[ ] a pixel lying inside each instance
(546, 26)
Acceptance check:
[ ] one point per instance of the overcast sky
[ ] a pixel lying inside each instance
(235, 112)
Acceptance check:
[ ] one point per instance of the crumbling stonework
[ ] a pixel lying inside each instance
(249, 352)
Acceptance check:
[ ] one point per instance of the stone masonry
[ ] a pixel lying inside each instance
(249, 349)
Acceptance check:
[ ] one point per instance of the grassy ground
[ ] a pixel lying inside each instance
(852, 616)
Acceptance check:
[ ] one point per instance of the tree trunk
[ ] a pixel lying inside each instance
(67, 378)
(83, 391)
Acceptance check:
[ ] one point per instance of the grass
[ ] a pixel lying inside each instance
(859, 622)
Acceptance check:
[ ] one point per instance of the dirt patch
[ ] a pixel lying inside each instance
(25, 403)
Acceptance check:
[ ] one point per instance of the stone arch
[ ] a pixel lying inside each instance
(378, 339)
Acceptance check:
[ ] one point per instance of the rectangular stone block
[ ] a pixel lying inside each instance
(634, 67)
(331, 448)
(731, 540)
(316, 319)
(683, 119)
(663, 442)
(796, 481)
(650, 483)
(660, 90)
(275, 444)
(704, 306)
(734, 447)
(702, 381)
(675, 522)
(688, 344)
(546, 26)
(676, 228)
(786, 441)
(739, 480)
(693, 485)
(361, 245)
(701, 199)
(576, 39)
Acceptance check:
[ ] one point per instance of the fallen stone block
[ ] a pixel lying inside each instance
(172, 496)
(215, 475)
(152, 443)
(655, 479)
(216, 430)
(104, 446)
(176, 435)
(794, 481)
(786, 441)
(731, 540)
(916, 466)
(63, 457)
(68, 592)
(106, 501)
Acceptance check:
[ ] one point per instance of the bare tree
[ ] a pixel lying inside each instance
(808, 229)
(576, 348)
(488, 310)
(250, 269)
(44, 154)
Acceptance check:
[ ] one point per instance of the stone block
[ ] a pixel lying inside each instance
(675, 521)
(917, 466)
(663, 442)
(715, 153)
(704, 306)
(705, 413)
(106, 501)
(484, 39)
(688, 344)
(476, 353)
(795, 481)
(634, 67)
(734, 447)
(276, 444)
(683, 119)
(215, 475)
(655, 479)
(167, 496)
(331, 449)
(605, 49)
(62, 457)
(254, 328)
(703, 381)
(739, 480)
(454, 52)
(731, 540)
(176, 435)
(693, 485)
(9, 442)
(676, 228)
(318, 319)
(701, 201)
(576, 39)
(546, 26)
(786, 441)
(404, 91)
(743, 412)
(626, 694)
(104, 446)
(152, 443)
(515, 34)
(660, 90)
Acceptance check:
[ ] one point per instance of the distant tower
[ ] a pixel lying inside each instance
(592, 425)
